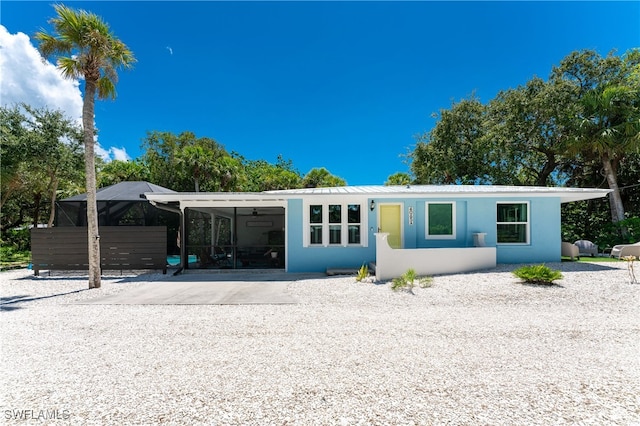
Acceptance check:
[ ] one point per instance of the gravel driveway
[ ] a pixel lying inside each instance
(474, 349)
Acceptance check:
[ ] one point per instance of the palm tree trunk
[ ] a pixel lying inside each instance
(615, 201)
(54, 189)
(93, 236)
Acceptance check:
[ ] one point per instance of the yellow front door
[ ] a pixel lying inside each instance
(390, 220)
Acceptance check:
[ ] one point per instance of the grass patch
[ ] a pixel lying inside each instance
(598, 259)
(13, 259)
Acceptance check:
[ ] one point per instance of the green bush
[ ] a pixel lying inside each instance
(408, 280)
(363, 273)
(538, 274)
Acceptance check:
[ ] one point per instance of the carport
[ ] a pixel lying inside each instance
(228, 230)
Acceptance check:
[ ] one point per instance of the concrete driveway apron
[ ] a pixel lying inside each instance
(209, 289)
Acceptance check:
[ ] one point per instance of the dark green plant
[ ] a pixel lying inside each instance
(538, 274)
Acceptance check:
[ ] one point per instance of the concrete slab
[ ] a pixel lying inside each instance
(208, 289)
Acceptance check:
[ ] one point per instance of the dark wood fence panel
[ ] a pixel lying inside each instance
(121, 247)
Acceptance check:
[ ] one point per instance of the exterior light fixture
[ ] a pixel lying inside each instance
(372, 205)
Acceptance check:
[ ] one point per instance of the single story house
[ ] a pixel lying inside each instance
(431, 228)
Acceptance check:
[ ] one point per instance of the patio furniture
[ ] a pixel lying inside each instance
(570, 250)
(621, 250)
(586, 247)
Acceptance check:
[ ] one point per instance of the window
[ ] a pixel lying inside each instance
(513, 223)
(440, 220)
(315, 219)
(335, 224)
(354, 223)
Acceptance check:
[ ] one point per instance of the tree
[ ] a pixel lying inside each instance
(607, 125)
(40, 151)
(117, 171)
(398, 179)
(264, 176)
(610, 127)
(321, 178)
(86, 48)
(529, 127)
(455, 151)
(185, 163)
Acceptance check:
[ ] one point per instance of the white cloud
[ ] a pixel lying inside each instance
(112, 153)
(120, 154)
(27, 78)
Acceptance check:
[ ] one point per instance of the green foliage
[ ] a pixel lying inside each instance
(537, 274)
(363, 273)
(41, 158)
(398, 179)
(117, 171)
(321, 178)
(264, 176)
(408, 281)
(11, 258)
(14, 248)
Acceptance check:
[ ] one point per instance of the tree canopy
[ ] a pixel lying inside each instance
(580, 127)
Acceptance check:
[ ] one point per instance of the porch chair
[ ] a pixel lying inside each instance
(621, 250)
(586, 247)
(570, 250)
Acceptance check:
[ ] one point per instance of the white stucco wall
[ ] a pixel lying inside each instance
(392, 263)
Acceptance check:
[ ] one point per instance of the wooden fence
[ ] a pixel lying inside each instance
(121, 248)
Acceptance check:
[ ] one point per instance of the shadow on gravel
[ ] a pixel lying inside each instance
(563, 266)
(11, 303)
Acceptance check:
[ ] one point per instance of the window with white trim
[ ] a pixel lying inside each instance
(440, 220)
(512, 220)
(335, 224)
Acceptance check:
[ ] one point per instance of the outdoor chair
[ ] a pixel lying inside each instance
(221, 257)
(622, 250)
(570, 250)
(586, 247)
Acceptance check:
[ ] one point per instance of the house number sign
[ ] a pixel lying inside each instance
(410, 215)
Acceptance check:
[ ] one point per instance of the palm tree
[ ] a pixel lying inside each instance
(87, 49)
(610, 128)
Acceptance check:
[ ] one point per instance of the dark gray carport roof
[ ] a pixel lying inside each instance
(123, 191)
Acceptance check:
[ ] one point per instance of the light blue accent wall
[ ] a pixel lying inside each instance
(318, 259)
(545, 238)
(472, 215)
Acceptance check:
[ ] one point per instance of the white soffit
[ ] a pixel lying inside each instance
(279, 197)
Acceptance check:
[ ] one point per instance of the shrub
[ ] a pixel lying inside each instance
(363, 273)
(538, 274)
(408, 280)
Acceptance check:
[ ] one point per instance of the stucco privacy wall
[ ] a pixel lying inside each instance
(392, 263)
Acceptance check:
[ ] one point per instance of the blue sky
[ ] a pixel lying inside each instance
(341, 85)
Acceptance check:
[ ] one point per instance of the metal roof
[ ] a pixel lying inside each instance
(391, 191)
(123, 191)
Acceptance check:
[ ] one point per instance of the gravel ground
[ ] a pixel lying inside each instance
(473, 349)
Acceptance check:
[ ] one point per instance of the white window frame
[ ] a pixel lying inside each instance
(527, 223)
(453, 221)
(344, 222)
